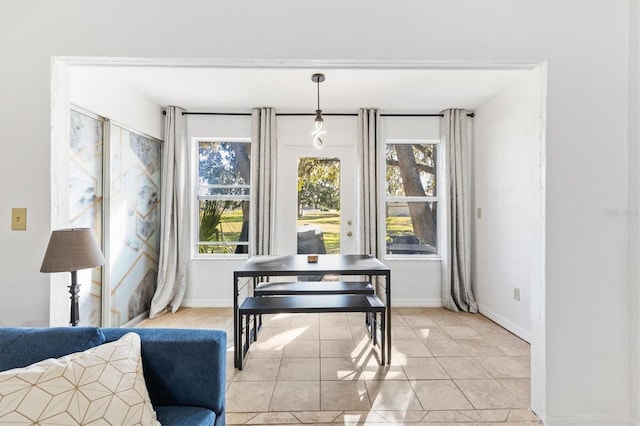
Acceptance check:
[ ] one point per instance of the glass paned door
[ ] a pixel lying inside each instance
(318, 202)
(318, 205)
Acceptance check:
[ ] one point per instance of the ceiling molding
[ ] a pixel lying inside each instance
(383, 64)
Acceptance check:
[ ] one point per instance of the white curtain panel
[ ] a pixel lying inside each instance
(263, 170)
(368, 153)
(456, 252)
(174, 234)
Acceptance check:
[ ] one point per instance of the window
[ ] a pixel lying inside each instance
(223, 191)
(319, 219)
(411, 202)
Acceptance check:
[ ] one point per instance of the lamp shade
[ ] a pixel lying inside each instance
(71, 250)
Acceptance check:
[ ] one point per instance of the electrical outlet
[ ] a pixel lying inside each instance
(479, 213)
(18, 219)
(516, 294)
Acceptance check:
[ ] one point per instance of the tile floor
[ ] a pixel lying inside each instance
(447, 368)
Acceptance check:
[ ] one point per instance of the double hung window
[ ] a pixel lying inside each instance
(223, 191)
(411, 201)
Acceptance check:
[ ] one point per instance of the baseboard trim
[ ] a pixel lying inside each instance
(502, 321)
(207, 303)
(416, 303)
(585, 421)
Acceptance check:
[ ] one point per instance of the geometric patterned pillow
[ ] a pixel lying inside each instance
(103, 385)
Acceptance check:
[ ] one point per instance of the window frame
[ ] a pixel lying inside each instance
(440, 186)
(195, 204)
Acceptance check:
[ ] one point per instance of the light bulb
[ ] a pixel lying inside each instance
(319, 131)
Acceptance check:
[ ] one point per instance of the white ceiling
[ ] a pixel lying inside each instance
(286, 89)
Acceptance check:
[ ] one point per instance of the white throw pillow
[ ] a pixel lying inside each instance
(100, 386)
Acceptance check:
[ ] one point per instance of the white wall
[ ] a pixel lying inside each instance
(93, 90)
(506, 190)
(634, 211)
(584, 42)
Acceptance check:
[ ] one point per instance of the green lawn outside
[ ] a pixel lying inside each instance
(231, 224)
(399, 225)
(329, 222)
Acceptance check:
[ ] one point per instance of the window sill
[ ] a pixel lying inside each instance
(234, 257)
(405, 257)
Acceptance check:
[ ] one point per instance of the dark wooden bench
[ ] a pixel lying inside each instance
(317, 303)
(298, 288)
(312, 287)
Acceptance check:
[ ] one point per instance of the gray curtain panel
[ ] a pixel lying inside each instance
(174, 237)
(263, 170)
(456, 254)
(369, 151)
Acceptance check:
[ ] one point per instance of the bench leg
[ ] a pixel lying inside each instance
(367, 323)
(374, 328)
(255, 328)
(248, 331)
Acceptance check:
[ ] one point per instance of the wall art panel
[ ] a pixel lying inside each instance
(134, 223)
(86, 203)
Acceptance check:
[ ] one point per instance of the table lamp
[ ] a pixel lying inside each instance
(70, 250)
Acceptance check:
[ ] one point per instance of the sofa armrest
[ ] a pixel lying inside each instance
(182, 366)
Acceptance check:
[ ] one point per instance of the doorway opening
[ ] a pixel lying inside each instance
(203, 270)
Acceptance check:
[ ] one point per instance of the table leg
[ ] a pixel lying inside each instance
(239, 350)
(237, 342)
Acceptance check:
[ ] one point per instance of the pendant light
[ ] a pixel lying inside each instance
(318, 121)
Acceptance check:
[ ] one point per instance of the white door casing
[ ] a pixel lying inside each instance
(287, 200)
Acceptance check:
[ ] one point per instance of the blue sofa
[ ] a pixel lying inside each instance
(185, 370)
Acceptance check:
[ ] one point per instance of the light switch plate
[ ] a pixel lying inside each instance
(18, 219)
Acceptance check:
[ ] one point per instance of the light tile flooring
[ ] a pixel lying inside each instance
(447, 368)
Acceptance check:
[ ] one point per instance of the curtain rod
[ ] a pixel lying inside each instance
(470, 114)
